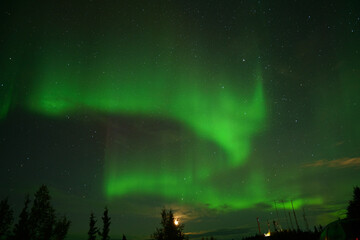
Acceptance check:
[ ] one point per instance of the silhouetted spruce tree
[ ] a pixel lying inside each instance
(353, 210)
(169, 231)
(123, 238)
(61, 228)
(6, 219)
(21, 229)
(42, 216)
(92, 228)
(106, 225)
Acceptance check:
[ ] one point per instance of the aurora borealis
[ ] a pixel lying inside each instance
(216, 109)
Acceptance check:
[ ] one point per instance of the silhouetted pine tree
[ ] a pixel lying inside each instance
(61, 228)
(353, 210)
(320, 228)
(92, 228)
(123, 238)
(21, 229)
(169, 230)
(6, 219)
(42, 216)
(106, 225)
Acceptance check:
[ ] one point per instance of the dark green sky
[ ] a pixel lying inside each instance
(213, 108)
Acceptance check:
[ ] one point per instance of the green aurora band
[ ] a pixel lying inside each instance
(217, 115)
(187, 95)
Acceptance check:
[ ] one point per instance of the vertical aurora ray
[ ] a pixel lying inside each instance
(5, 104)
(7, 93)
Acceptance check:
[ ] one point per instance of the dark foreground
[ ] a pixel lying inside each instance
(293, 235)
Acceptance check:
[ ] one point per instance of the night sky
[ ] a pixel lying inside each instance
(216, 109)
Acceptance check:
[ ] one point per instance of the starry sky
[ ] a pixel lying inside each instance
(224, 111)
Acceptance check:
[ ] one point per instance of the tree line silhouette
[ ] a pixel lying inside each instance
(36, 223)
(40, 222)
(104, 233)
(168, 229)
